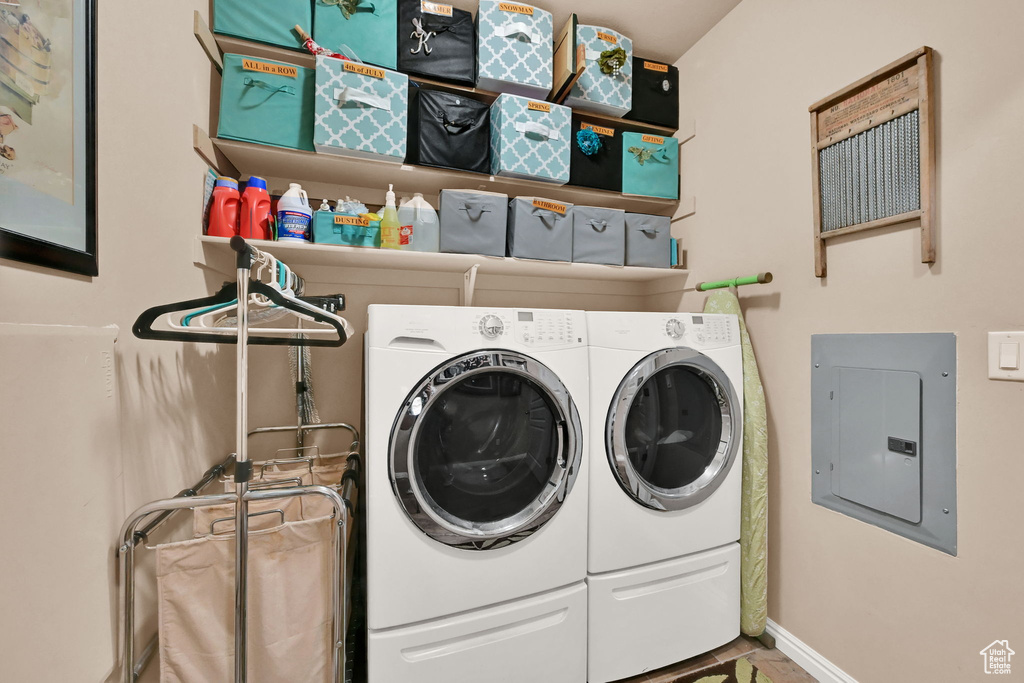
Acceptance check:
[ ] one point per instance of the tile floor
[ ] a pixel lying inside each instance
(774, 664)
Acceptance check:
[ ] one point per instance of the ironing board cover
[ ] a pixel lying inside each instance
(754, 519)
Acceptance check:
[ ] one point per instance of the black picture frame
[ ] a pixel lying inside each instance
(27, 249)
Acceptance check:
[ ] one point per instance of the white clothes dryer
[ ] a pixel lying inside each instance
(476, 494)
(665, 480)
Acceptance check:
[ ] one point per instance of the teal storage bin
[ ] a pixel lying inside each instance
(650, 165)
(370, 33)
(267, 102)
(265, 21)
(345, 229)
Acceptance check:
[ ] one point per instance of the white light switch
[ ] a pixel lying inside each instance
(1004, 355)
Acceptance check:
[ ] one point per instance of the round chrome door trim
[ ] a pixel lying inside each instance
(430, 517)
(632, 483)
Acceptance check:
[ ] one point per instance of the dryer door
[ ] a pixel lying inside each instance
(673, 429)
(485, 449)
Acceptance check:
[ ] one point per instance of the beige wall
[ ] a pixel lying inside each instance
(880, 607)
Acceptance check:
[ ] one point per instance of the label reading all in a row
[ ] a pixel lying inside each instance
(514, 8)
(600, 130)
(435, 8)
(364, 70)
(269, 68)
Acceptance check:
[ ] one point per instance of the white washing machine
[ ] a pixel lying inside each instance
(476, 494)
(665, 479)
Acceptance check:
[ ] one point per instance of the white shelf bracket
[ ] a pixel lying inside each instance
(468, 286)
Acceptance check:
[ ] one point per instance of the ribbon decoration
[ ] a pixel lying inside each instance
(349, 7)
(644, 154)
(422, 35)
(588, 141)
(612, 61)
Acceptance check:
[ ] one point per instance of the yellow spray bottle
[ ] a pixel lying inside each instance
(389, 225)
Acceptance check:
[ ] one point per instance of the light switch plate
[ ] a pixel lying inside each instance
(1003, 349)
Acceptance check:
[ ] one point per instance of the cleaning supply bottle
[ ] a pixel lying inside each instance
(294, 215)
(255, 208)
(389, 225)
(224, 207)
(419, 221)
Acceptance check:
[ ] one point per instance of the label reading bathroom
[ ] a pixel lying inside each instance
(517, 9)
(550, 206)
(607, 37)
(600, 130)
(653, 139)
(435, 8)
(539, 106)
(654, 66)
(276, 69)
(364, 70)
(352, 220)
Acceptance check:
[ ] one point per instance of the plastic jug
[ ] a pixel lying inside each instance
(419, 229)
(389, 225)
(224, 208)
(255, 220)
(294, 216)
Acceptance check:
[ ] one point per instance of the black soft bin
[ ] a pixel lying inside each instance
(596, 157)
(448, 130)
(436, 41)
(655, 93)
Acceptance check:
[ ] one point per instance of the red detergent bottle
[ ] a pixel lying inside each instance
(224, 208)
(255, 222)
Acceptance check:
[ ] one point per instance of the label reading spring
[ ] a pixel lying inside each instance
(352, 220)
(654, 66)
(653, 139)
(600, 130)
(550, 206)
(435, 8)
(607, 37)
(514, 8)
(539, 106)
(267, 68)
(364, 70)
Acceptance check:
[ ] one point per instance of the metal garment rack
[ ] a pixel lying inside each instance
(159, 511)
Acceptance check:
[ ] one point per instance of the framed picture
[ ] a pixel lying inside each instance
(48, 133)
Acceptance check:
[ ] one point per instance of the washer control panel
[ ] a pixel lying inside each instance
(712, 330)
(546, 328)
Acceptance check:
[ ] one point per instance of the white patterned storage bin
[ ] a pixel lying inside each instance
(361, 111)
(514, 48)
(595, 90)
(530, 139)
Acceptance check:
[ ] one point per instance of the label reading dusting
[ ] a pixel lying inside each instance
(539, 106)
(607, 37)
(654, 66)
(435, 8)
(352, 220)
(364, 70)
(600, 130)
(550, 206)
(653, 139)
(266, 68)
(517, 9)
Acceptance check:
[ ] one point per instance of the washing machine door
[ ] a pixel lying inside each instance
(485, 449)
(673, 429)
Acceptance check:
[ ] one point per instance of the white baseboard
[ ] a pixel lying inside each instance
(801, 653)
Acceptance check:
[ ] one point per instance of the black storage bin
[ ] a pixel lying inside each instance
(448, 130)
(433, 45)
(603, 169)
(655, 93)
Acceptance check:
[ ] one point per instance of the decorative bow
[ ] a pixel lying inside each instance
(644, 154)
(588, 141)
(423, 36)
(612, 61)
(348, 7)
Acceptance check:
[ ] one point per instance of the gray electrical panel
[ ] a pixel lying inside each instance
(883, 438)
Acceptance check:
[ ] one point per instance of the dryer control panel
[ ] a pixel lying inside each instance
(701, 330)
(543, 328)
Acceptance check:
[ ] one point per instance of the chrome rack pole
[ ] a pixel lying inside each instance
(243, 468)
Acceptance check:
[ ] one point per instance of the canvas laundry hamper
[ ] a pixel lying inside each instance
(598, 166)
(365, 29)
(530, 139)
(655, 93)
(265, 21)
(650, 165)
(648, 240)
(436, 40)
(448, 130)
(598, 235)
(540, 229)
(290, 627)
(606, 93)
(266, 102)
(515, 50)
(473, 222)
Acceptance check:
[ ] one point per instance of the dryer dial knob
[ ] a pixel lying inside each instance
(674, 328)
(491, 326)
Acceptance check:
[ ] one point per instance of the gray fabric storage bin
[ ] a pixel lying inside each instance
(647, 240)
(540, 229)
(598, 235)
(473, 222)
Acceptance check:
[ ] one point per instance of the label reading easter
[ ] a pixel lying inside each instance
(539, 106)
(654, 66)
(265, 68)
(516, 9)
(352, 220)
(600, 130)
(654, 139)
(435, 8)
(364, 70)
(607, 37)
(550, 206)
